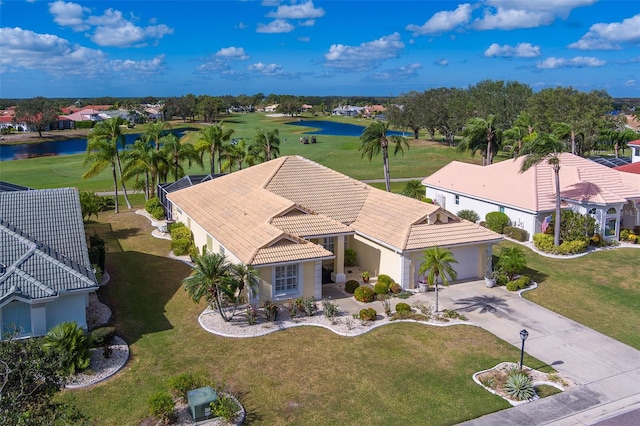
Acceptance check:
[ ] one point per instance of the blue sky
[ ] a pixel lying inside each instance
(370, 48)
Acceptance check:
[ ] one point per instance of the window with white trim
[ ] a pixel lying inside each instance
(457, 200)
(327, 243)
(222, 250)
(16, 317)
(286, 279)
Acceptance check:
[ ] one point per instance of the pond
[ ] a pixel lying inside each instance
(48, 149)
(334, 128)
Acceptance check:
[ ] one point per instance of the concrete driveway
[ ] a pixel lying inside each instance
(607, 370)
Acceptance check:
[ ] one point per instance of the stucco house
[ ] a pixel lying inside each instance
(610, 196)
(291, 217)
(45, 272)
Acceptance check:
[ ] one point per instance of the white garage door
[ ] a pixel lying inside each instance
(468, 261)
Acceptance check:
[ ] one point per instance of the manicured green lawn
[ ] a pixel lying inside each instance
(600, 290)
(337, 152)
(397, 374)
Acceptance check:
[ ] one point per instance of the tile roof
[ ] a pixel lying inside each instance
(33, 270)
(581, 180)
(50, 216)
(630, 168)
(289, 197)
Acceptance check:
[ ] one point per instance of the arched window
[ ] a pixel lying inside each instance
(612, 210)
(592, 211)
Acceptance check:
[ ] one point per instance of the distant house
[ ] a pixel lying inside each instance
(45, 272)
(292, 219)
(610, 196)
(87, 114)
(271, 108)
(347, 111)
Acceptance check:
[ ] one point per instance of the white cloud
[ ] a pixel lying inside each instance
(232, 53)
(630, 83)
(270, 70)
(576, 62)
(304, 10)
(25, 49)
(307, 23)
(304, 39)
(366, 56)
(512, 14)
(443, 21)
(610, 36)
(442, 62)
(408, 71)
(69, 15)
(112, 29)
(242, 26)
(275, 27)
(521, 50)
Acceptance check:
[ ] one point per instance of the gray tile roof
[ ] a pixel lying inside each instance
(49, 216)
(43, 250)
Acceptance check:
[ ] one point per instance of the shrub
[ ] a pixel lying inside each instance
(349, 257)
(182, 383)
(69, 341)
(180, 247)
(330, 308)
(306, 305)
(102, 336)
(469, 215)
(544, 242)
(572, 247)
(368, 314)
(351, 286)
(177, 225)
(624, 234)
(364, 294)
(517, 234)
(428, 200)
(162, 406)
(157, 213)
(453, 314)
(386, 279)
(395, 288)
(151, 204)
(523, 282)
(512, 261)
(181, 233)
(403, 307)
(518, 386)
(496, 221)
(512, 286)
(381, 288)
(270, 310)
(225, 407)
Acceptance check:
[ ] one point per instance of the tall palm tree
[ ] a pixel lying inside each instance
(266, 144)
(177, 152)
(211, 140)
(154, 131)
(142, 158)
(101, 153)
(374, 140)
(570, 132)
(212, 279)
(110, 130)
(482, 135)
(545, 147)
(436, 263)
(243, 154)
(247, 277)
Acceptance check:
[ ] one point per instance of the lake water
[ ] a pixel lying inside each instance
(48, 149)
(334, 128)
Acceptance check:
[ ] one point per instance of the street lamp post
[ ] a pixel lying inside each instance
(523, 336)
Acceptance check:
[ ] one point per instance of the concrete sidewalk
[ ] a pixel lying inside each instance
(607, 370)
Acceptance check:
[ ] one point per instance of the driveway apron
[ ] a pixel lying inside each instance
(607, 370)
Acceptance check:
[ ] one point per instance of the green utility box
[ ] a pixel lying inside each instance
(199, 402)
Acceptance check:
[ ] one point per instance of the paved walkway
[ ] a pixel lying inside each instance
(609, 371)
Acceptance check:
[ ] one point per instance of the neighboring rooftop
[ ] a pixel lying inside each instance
(6, 187)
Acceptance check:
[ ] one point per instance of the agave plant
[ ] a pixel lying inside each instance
(518, 386)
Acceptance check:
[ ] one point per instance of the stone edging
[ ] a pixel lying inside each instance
(117, 341)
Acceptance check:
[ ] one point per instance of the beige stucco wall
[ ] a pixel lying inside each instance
(308, 274)
(376, 258)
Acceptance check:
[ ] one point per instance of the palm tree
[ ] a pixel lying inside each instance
(545, 147)
(213, 279)
(211, 140)
(374, 139)
(512, 261)
(568, 132)
(247, 277)
(177, 152)
(100, 154)
(154, 132)
(482, 135)
(71, 343)
(243, 154)
(142, 158)
(110, 130)
(414, 189)
(436, 263)
(266, 144)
